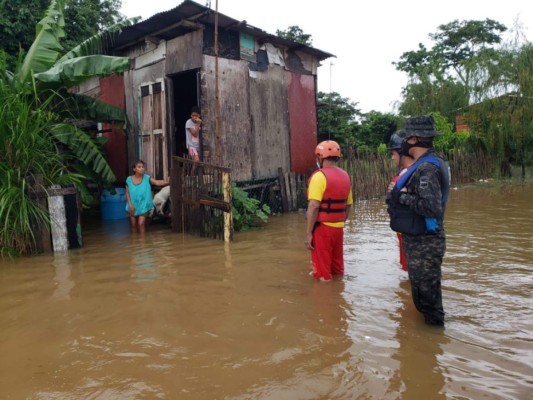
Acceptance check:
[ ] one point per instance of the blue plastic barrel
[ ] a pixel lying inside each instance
(112, 206)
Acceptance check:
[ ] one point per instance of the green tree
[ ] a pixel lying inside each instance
(295, 34)
(505, 117)
(454, 69)
(337, 118)
(84, 18)
(376, 128)
(424, 97)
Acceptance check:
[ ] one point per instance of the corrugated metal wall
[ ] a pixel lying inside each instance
(112, 92)
(303, 124)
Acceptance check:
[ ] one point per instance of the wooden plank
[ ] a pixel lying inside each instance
(283, 188)
(52, 192)
(302, 191)
(235, 140)
(215, 203)
(288, 190)
(58, 219)
(294, 192)
(268, 99)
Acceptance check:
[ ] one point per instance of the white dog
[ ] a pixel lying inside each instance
(160, 202)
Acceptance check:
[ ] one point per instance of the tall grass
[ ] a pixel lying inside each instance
(371, 173)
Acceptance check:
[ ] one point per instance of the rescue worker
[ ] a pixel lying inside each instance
(417, 208)
(329, 201)
(402, 163)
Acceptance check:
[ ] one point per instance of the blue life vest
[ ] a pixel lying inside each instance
(405, 220)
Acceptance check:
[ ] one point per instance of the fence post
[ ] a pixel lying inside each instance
(284, 202)
(58, 222)
(228, 216)
(175, 195)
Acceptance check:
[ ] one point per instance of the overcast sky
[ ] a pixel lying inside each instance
(366, 37)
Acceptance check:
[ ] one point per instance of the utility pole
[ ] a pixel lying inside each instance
(218, 150)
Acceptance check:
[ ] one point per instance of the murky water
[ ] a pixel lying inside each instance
(169, 316)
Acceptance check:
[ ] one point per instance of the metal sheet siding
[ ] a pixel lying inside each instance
(112, 92)
(302, 121)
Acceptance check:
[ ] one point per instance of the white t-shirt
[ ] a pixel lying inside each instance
(190, 140)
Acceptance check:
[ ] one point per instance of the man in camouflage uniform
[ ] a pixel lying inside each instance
(417, 211)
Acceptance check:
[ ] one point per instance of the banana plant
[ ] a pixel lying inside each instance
(39, 141)
(47, 68)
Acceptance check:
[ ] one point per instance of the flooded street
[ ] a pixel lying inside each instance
(168, 316)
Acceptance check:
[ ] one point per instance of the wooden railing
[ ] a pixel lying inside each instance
(200, 195)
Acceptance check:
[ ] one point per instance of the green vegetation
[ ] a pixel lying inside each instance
(31, 154)
(295, 34)
(468, 72)
(471, 72)
(83, 19)
(247, 211)
(448, 75)
(339, 119)
(42, 147)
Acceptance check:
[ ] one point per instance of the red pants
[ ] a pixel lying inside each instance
(403, 259)
(327, 256)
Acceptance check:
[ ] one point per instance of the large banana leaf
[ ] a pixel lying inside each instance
(83, 146)
(46, 48)
(77, 106)
(77, 70)
(97, 43)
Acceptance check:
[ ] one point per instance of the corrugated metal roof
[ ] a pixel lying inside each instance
(181, 19)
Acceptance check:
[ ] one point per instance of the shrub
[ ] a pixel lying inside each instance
(247, 211)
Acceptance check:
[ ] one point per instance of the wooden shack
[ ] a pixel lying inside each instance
(256, 92)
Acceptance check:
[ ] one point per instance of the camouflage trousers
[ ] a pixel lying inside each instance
(424, 259)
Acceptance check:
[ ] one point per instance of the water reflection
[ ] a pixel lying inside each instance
(143, 259)
(62, 266)
(419, 375)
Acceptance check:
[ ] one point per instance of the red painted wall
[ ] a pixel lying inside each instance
(302, 122)
(112, 92)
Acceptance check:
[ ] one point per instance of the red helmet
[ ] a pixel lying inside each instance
(328, 148)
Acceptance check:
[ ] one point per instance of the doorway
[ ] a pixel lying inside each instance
(186, 95)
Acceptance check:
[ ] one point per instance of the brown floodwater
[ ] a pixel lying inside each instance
(171, 316)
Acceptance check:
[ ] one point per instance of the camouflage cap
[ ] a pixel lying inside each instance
(421, 126)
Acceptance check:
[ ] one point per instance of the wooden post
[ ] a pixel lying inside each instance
(294, 192)
(288, 190)
(284, 203)
(176, 196)
(301, 189)
(58, 222)
(228, 216)
(218, 150)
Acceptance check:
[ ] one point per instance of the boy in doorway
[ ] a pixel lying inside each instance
(192, 136)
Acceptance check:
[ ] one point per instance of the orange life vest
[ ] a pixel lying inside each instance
(333, 205)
